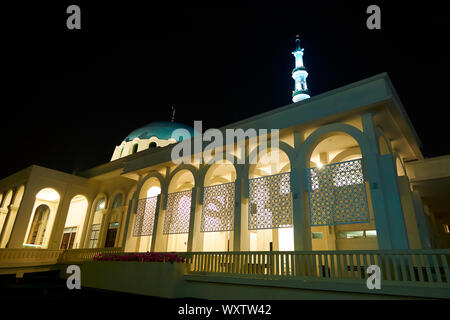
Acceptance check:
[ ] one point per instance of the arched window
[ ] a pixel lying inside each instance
(37, 231)
(152, 145)
(135, 148)
(100, 204)
(96, 224)
(117, 202)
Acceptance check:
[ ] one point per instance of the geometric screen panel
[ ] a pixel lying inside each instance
(270, 202)
(218, 208)
(178, 212)
(145, 217)
(337, 194)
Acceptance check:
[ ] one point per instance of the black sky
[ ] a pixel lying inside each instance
(68, 97)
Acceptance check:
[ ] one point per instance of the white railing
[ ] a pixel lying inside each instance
(16, 258)
(427, 266)
(11, 258)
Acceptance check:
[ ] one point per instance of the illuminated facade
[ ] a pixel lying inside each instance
(354, 180)
(338, 183)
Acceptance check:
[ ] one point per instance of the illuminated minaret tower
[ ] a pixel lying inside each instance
(299, 74)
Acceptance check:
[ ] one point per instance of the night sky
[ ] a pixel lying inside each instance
(68, 97)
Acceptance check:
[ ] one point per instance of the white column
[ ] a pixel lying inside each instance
(391, 230)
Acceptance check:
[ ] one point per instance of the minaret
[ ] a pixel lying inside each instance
(299, 74)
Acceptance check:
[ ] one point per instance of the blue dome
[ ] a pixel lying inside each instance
(160, 129)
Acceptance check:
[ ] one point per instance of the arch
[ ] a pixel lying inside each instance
(283, 146)
(4, 210)
(217, 218)
(39, 225)
(152, 174)
(182, 180)
(346, 154)
(114, 220)
(264, 166)
(134, 148)
(8, 217)
(152, 144)
(117, 200)
(181, 167)
(225, 166)
(50, 197)
(7, 199)
(96, 218)
(18, 195)
(74, 224)
(331, 192)
(100, 204)
(178, 205)
(269, 184)
(329, 130)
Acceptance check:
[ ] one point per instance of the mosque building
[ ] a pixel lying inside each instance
(348, 176)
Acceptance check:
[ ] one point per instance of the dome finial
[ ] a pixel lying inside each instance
(297, 43)
(173, 114)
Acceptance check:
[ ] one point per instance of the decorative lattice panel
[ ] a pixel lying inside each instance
(178, 212)
(218, 208)
(270, 202)
(145, 217)
(337, 194)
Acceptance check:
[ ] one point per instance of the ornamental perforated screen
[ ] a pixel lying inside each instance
(218, 208)
(337, 194)
(178, 212)
(270, 202)
(145, 217)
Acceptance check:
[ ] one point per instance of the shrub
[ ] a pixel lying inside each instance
(141, 257)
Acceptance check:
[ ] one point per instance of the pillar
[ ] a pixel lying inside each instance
(193, 217)
(237, 214)
(9, 215)
(422, 223)
(59, 222)
(380, 171)
(21, 218)
(155, 223)
(300, 211)
(127, 223)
